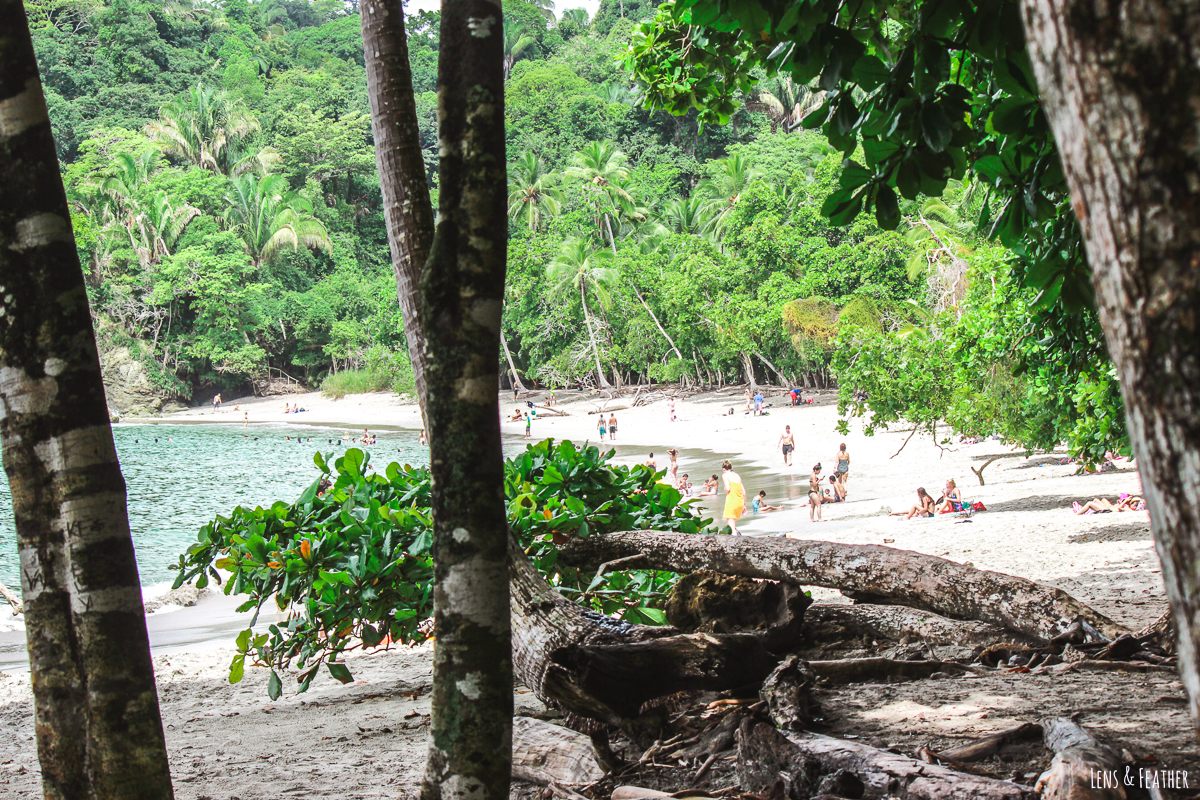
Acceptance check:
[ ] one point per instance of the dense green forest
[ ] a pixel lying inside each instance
(219, 163)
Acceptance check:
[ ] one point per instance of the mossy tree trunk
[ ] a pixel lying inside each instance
(96, 716)
(462, 290)
(1120, 83)
(407, 209)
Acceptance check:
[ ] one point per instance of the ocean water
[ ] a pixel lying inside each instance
(179, 477)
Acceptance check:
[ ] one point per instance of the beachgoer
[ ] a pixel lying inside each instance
(814, 494)
(735, 497)
(516, 394)
(787, 443)
(651, 463)
(923, 508)
(749, 401)
(671, 407)
(246, 419)
(685, 485)
(528, 426)
(600, 426)
(612, 427)
(1102, 505)
(710, 486)
(516, 417)
(550, 402)
(759, 504)
(838, 488)
(843, 464)
(674, 468)
(758, 404)
(951, 500)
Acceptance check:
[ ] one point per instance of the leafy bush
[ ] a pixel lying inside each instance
(350, 559)
(385, 370)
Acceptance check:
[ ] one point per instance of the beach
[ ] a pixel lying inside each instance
(231, 741)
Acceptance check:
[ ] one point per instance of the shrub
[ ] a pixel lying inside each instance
(350, 558)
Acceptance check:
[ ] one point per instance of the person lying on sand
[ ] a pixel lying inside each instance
(759, 504)
(1102, 505)
(923, 508)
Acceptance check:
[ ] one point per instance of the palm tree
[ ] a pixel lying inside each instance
(600, 166)
(528, 194)
(268, 218)
(161, 225)
(578, 17)
(516, 44)
(734, 176)
(578, 268)
(211, 129)
(785, 102)
(546, 7)
(939, 236)
(686, 215)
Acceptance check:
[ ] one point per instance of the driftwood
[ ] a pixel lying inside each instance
(787, 693)
(802, 760)
(985, 747)
(13, 600)
(863, 670)
(544, 753)
(866, 572)
(709, 602)
(834, 622)
(1083, 768)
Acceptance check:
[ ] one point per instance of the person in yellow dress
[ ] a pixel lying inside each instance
(735, 499)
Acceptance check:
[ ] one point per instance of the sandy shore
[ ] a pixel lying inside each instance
(228, 741)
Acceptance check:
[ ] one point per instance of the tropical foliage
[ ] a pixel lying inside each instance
(349, 565)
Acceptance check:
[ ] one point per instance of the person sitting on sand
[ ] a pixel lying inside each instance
(684, 485)
(759, 504)
(516, 417)
(710, 486)
(838, 490)
(923, 508)
(951, 500)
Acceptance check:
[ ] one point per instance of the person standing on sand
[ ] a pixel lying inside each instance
(600, 426)
(528, 425)
(674, 468)
(814, 495)
(787, 443)
(735, 497)
(843, 464)
(749, 400)
(246, 419)
(612, 427)
(671, 407)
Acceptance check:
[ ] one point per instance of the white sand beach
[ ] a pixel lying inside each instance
(230, 741)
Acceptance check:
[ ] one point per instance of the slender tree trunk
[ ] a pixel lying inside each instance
(772, 367)
(612, 240)
(406, 206)
(587, 317)
(748, 367)
(1121, 87)
(96, 714)
(511, 366)
(462, 295)
(657, 324)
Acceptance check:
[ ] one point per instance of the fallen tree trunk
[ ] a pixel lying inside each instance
(13, 600)
(544, 753)
(883, 574)
(766, 755)
(604, 669)
(865, 670)
(1082, 769)
(833, 622)
(986, 747)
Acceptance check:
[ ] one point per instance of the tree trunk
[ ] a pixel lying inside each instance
(748, 367)
(1082, 769)
(462, 295)
(783, 378)
(1120, 89)
(657, 324)
(511, 366)
(879, 573)
(406, 206)
(587, 317)
(98, 728)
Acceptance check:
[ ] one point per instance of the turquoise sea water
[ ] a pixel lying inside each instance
(180, 476)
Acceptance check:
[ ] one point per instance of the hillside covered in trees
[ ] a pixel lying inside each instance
(219, 163)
